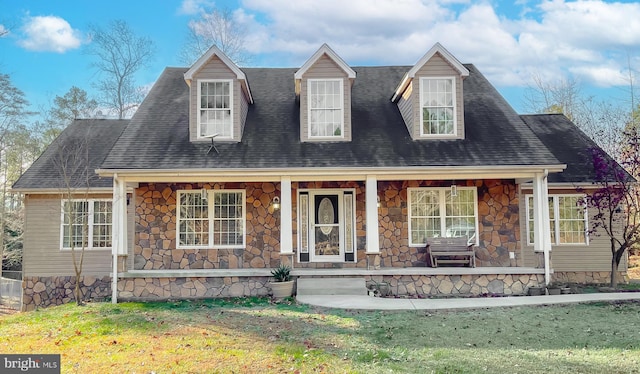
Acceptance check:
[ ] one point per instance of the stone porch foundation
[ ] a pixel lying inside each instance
(191, 287)
(39, 292)
(459, 285)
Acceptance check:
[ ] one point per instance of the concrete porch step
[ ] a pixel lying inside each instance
(307, 286)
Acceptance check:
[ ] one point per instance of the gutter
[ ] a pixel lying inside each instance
(346, 173)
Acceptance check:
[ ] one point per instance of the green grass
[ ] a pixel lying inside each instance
(255, 336)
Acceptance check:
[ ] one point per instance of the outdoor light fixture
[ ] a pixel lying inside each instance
(378, 201)
(276, 203)
(454, 190)
(203, 194)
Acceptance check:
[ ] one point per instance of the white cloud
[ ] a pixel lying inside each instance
(3, 31)
(49, 33)
(587, 39)
(192, 7)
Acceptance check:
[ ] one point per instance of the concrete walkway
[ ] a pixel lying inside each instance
(376, 303)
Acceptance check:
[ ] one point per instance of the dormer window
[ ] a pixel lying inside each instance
(438, 104)
(326, 112)
(215, 114)
(429, 97)
(219, 98)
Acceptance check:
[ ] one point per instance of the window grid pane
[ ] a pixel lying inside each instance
(325, 108)
(215, 109)
(228, 218)
(460, 214)
(102, 218)
(193, 225)
(437, 106)
(571, 227)
(425, 215)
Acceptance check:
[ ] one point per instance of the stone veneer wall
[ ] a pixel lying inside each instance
(155, 237)
(458, 285)
(38, 292)
(498, 222)
(156, 220)
(588, 277)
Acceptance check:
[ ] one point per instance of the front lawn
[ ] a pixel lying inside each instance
(255, 336)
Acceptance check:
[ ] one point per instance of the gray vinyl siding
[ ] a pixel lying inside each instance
(216, 69)
(405, 105)
(42, 254)
(437, 67)
(569, 258)
(325, 68)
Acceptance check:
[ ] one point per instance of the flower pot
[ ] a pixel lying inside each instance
(536, 291)
(280, 290)
(554, 290)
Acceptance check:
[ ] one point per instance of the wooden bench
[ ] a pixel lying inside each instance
(451, 251)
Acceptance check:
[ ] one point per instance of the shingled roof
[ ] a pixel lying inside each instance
(568, 143)
(158, 136)
(76, 153)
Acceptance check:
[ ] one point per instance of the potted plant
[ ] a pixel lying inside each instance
(282, 285)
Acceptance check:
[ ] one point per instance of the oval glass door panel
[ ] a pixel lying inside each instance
(325, 215)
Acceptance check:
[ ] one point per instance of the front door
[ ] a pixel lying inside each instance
(327, 230)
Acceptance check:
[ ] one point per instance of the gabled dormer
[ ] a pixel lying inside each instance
(430, 96)
(323, 85)
(219, 98)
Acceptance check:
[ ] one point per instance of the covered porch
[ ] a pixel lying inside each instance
(380, 252)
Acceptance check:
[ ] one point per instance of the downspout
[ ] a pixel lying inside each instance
(546, 239)
(114, 244)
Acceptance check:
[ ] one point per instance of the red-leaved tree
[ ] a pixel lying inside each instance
(615, 200)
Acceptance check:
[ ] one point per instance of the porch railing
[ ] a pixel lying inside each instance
(11, 290)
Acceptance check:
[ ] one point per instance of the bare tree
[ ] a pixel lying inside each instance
(218, 27)
(71, 161)
(13, 111)
(602, 121)
(120, 54)
(74, 104)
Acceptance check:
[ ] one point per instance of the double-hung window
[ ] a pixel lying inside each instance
(442, 212)
(211, 218)
(86, 224)
(326, 108)
(215, 108)
(437, 106)
(567, 219)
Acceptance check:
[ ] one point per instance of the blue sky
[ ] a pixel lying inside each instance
(593, 42)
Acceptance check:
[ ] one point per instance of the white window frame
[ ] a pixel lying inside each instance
(555, 205)
(341, 108)
(442, 201)
(199, 108)
(90, 223)
(210, 196)
(454, 107)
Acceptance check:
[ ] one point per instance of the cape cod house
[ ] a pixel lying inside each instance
(225, 173)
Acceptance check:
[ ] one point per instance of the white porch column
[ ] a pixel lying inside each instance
(371, 207)
(542, 231)
(286, 225)
(118, 230)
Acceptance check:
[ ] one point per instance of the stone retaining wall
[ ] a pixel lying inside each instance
(41, 292)
(191, 288)
(458, 285)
